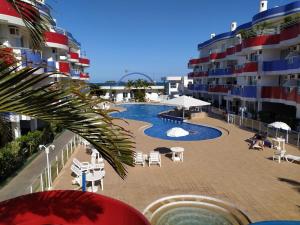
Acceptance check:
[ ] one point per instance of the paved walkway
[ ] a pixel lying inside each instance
(223, 168)
(19, 185)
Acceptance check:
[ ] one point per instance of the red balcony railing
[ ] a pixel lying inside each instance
(64, 67)
(56, 38)
(238, 48)
(197, 74)
(281, 93)
(197, 61)
(220, 55)
(290, 32)
(250, 67)
(74, 55)
(219, 88)
(84, 75)
(84, 61)
(230, 51)
(261, 40)
(7, 9)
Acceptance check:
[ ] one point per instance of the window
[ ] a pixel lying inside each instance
(14, 31)
(173, 85)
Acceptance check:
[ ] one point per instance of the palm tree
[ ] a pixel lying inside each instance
(71, 105)
(129, 86)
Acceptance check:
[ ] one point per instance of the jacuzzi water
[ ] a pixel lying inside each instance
(194, 210)
(191, 216)
(159, 127)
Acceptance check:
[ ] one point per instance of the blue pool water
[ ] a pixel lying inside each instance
(148, 113)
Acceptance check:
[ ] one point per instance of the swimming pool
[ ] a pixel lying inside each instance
(148, 113)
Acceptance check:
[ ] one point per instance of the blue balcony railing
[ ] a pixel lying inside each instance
(220, 72)
(31, 58)
(200, 87)
(51, 66)
(280, 65)
(75, 73)
(245, 91)
(249, 92)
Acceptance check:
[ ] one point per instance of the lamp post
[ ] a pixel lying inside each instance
(47, 151)
(242, 110)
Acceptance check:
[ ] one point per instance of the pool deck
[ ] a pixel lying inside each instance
(223, 168)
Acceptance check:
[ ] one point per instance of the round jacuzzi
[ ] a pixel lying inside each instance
(194, 210)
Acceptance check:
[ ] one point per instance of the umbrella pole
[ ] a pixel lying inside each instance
(182, 113)
(276, 132)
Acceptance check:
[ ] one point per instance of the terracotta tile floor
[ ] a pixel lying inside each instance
(224, 168)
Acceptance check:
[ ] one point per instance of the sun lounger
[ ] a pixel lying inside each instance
(154, 158)
(83, 166)
(292, 158)
(139, 159)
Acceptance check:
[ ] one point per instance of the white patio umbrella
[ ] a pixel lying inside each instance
(177, 132)
(186, 102)
(282, 126)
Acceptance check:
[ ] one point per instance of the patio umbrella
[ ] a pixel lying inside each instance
(177, 132)
(282, 126)
(68, 207)
(186, 102)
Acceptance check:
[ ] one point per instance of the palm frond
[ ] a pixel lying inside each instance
(70, 106)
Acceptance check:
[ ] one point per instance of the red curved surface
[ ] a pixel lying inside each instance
(68, 207)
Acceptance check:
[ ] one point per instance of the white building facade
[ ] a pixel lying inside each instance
(256, 65)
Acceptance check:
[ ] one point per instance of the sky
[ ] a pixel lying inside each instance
(155, 37)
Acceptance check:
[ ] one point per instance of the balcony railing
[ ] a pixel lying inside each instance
(31, 58)
(64, 67)
(220, 72)
(197, 74)
(219, 88)
(280, 65)
(261, 40)
(56, 38)
(214, 56)
(281, 93)
(244, 91)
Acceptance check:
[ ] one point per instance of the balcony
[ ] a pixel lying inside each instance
(75, 74)
(282, 65)
(9, 14)
(64, 67)
(31, 58)
(290, 32)
(73, 57)
(280, 94)
(261, 41)
(84, 62)
(194, 62)
(249, 92)
(230, 51)
(238, 48)
(197, 74)
(215, 56)
(56, 40)
(250, 67)
(84, 76)
(220, 72)
(219, 88)
(198, 87)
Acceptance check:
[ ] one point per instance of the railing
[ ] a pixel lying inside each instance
(292, 137)
(220, 72)
(281, 93)
(279, 65)
(42, 182)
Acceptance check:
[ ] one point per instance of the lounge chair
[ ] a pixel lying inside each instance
(259, 145)
(292, 158)
(279, 154)
(78, 173)
(83, 166)
(154, 158)
(139, 159)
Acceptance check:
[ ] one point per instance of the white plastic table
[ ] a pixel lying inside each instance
(92, 177)
(177, 153)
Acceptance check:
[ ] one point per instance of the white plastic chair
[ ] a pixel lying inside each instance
(154, 158)
(83, 166)
(279, 154)
(78, 173)
(139, 159)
